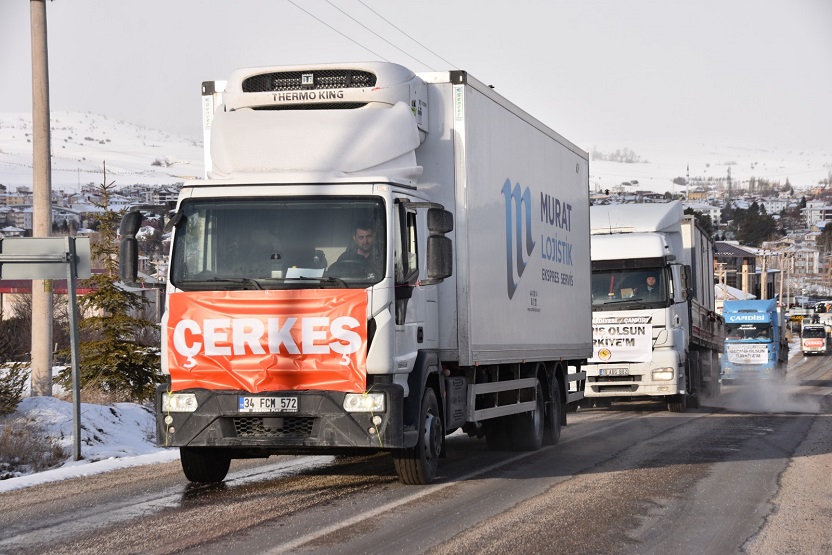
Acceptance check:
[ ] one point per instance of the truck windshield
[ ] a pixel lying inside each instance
(271, 243)
(615, 289)
(814, 332)
(738, 332)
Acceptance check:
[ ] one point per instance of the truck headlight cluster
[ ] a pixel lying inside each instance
(663, 374)
(364, 402)
(179, 402)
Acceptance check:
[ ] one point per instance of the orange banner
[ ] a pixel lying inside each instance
(268, 340)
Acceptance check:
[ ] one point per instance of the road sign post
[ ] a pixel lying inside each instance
(53, 258)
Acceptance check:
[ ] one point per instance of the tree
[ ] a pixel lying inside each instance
(754, 226)
(702, 219)
(13, 375)
(824, 240)
(116, 356)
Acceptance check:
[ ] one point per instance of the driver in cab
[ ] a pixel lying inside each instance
(362, 253)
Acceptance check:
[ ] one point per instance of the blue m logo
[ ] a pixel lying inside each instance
(518, 216)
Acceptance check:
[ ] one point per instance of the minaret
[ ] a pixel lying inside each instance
(687, 184)
(729, 183)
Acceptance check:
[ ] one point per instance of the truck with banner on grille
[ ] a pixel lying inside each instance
(815, 339)
(375, 259)
(656, 334)
(756, 345)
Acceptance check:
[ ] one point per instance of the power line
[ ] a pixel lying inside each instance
(376, 34)
(292, 2)
(408, 36)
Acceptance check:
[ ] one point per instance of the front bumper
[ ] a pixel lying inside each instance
(741, 372)
(602, 381)
(320, 424)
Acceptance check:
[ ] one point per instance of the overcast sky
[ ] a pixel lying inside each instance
(745, 72)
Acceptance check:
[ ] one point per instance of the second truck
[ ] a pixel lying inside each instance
(755, 345)
(376, 259)
(655, 329)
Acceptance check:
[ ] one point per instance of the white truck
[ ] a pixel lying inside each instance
(815, 339)
(656, 333)
(376, 259)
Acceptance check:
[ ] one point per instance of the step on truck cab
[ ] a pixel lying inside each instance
(375, 259)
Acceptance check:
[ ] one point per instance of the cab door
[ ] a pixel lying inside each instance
(415, 306)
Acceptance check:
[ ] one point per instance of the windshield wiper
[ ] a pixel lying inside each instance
(236, 281)
(620, 301)
(320, 279)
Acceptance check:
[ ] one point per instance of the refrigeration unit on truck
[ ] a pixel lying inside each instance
(756, 345)
(656, 334)
(814, 339)
(375, 259)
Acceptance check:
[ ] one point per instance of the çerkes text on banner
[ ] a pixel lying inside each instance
(269, 340)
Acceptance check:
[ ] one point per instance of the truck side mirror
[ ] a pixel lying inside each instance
(128, 256)
(440, 254)
(440, 221)
(440, 258)
(687, 283)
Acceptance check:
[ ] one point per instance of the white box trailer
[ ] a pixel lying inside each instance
(521, 248)
(467, 310)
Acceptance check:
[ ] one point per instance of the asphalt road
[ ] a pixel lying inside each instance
(746, 473)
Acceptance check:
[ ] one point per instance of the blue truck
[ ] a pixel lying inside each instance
(755, 340)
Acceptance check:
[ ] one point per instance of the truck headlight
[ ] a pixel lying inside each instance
(663, 374)
(179, 402)
(364, 402)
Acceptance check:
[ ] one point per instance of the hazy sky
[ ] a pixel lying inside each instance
(745, 72)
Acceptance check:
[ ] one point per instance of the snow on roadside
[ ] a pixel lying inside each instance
(112, 437)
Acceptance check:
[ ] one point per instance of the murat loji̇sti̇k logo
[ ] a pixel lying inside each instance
(519, 227)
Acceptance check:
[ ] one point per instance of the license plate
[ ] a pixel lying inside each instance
(268, 404)
(614, 372)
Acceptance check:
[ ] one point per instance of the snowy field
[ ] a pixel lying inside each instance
(83, 142)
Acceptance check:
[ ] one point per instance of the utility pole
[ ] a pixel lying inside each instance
(763, 279)
(780, 299)
(745, 285)
(42, 189)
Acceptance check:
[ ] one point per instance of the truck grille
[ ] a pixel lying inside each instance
(613, 384)
(321, 79)
(296, 427)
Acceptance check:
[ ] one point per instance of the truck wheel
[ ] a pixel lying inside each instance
(551, 434)
(694, 373)
(417, 466)
(204, 464)
(526, 428)
(692, 400)
(496, 433)
(677, 403)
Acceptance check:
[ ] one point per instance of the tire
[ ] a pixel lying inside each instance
(694, 381)
(692, 400)
(715, 390)
(677, 403)
(601, 402)
(551, 434)
(526, 429)
(204, 464)
(417, 466)
(496, 433)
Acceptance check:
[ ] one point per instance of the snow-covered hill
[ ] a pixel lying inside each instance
(653, 166)
(83, 142)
